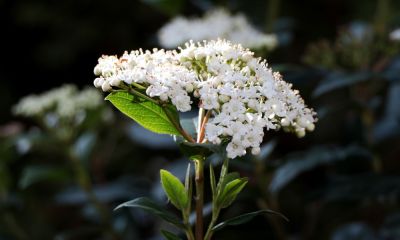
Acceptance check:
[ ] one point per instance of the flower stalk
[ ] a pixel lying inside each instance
(199, 181)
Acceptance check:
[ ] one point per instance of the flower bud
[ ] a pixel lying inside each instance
(285, 122)
(97, 70)
(98, 82)
(223, 98)
(199, 55)
(106, 86)
(189, 87)
(247, 56)
(302, 122)
(164, 97)
(310, 127)
(300, 132)
(115, 82)
(255, 150)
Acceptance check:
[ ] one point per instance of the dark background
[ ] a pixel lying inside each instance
(47, 43)
(340, 182)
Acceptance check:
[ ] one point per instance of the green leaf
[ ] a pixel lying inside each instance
(148, 114)
(244, 218)
(169, 235)
(150, 206)
(230, 192)
(297, 163)
(212, 181)
(338, 80)
(188, 186)
(225, 178)
(204, 149)
(174, 189)
(356, 188)
(35, 174)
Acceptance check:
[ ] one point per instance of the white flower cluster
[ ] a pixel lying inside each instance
(65, 101)
(217, 23)
(242, 93)
(395, 35)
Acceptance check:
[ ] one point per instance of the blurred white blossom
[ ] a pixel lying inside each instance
(217, 23)
(63, 102)
(243, 94)
(395, 35)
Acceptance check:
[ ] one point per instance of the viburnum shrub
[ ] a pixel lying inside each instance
(238, 97)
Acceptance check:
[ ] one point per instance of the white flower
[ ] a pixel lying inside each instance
(395, 35)
(243, 95)
(65, 102)
(217, 23)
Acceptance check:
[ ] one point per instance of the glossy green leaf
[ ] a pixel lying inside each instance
(150, 206)
(148, 114)
(174, 190)
(230, 192)
(244, 218)
(169, 235)
(225, 178)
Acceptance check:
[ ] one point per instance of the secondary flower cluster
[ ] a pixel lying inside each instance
(217, 23)
(65, 102)
(242, 94)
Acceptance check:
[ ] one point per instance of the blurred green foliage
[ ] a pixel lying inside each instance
(341, 182)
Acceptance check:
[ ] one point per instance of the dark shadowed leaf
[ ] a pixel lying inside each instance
(365, 186)
(266, 150)
(152, 207)
(338, 80)
(389, 125)
(244, 218)
(205, 149)
(170, 7)
(298, 163)
(84, 145)
(169, 235)
(35, 174)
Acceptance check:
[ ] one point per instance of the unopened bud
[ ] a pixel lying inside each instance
(106, 86)
(255, 151)
(300, 132)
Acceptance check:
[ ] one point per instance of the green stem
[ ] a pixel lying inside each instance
(12, 226)
(85, 183)
(382, 16)
(199, 180)
(178, 126)
(189, 232)
(216, 209)
(210, 232)
(272, 13)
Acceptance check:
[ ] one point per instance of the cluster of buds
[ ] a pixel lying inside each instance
(235, 28)
(241, 95)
